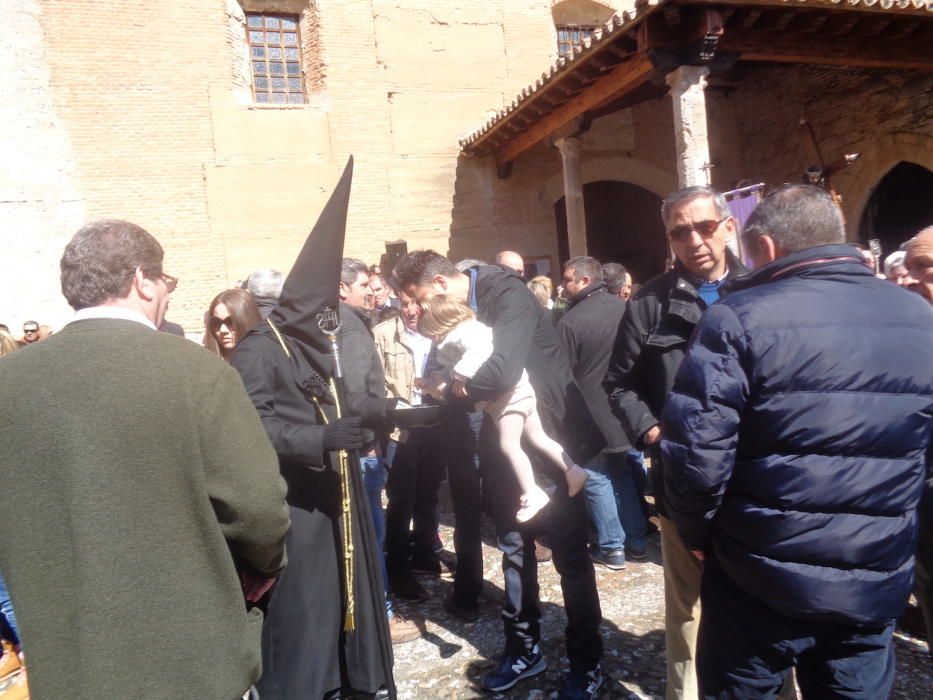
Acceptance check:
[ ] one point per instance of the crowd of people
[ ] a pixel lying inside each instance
(769, 418)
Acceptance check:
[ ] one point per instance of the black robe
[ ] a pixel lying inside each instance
(306, 653)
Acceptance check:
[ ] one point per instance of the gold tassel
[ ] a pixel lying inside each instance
(346, 517)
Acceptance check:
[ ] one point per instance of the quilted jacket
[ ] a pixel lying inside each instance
(795, 437)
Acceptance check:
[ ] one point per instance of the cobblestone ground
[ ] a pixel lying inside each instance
(450, 660)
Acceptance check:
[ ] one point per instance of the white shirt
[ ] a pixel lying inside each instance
(420, 349)
(112, 312)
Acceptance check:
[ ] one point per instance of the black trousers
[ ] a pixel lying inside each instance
(564, 522)
(466, 494)
(411, 490)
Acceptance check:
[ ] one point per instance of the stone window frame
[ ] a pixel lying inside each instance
(309, 49)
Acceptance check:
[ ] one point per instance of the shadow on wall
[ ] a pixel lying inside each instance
(472, 218)
(623, 225)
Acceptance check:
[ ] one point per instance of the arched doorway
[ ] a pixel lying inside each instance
(900, 206)
(623, 224)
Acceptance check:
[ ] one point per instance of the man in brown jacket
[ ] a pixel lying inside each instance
(155, 505)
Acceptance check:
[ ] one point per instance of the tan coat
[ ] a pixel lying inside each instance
(398, 363)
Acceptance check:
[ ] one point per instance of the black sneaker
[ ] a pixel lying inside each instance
(511, 670)
(636, 554)
(581, 686)
(458, 611)
(614, 560)
(405, 586)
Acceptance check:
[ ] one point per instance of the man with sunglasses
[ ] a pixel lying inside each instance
(648, 350)
(30, 333)
(155, 507)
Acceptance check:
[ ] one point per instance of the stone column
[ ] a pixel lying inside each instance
(569, 147)
(687, 85)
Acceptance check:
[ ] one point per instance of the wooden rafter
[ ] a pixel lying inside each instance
(755, 45)
(621, 79)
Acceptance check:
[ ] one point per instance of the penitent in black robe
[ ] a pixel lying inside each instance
(306, 652)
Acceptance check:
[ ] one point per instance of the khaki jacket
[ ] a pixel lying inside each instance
(398, 363)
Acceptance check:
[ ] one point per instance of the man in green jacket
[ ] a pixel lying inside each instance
(154, 509)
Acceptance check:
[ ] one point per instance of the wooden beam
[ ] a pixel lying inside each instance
(900, 30)
(862, 8)
(808, 22)
(622, 79)
(840, 24)
(828, 51)
(871, 26)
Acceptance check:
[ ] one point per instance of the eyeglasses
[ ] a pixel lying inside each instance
(216, 323)
(705, 228)
(170, 282)
(30, 330)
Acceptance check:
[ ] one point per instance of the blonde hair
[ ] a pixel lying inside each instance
(542, 287)
(7, 343)
(441, 314)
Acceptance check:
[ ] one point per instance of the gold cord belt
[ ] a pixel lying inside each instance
(346, 516)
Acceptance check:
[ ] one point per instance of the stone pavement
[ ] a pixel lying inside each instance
(451, 659)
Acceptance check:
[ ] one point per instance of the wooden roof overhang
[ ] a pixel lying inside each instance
(625, 63)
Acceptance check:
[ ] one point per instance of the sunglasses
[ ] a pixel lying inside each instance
(705, 228)
(30, 330)
(216, 323)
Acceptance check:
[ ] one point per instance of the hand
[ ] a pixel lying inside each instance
(459, 389)
(698, 553)
(344, 434)
(653, 435)
(254, 586)
(371, 410)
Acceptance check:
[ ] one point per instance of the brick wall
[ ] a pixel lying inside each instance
(150, 105)
(142, 110)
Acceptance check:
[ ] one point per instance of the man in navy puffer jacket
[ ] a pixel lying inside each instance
(794, 446)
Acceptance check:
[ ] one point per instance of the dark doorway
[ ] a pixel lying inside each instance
(623, 224)
(901, 205)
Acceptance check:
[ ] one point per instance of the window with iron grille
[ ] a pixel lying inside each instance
(569, 36)
(275, 57)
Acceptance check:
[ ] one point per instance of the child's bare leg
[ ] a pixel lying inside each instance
(510, 437)
(540, 440)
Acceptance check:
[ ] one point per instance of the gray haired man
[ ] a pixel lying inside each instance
(265, 286)
(648, 350)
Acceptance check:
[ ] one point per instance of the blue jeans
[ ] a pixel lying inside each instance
(374, 479)
(614, 504)
(8, 627)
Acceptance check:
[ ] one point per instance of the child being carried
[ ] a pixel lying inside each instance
(463, 345)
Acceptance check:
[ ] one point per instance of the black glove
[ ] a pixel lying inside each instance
(372, 411)
(344, 434)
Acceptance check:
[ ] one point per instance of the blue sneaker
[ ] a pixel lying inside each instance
(513, 669)
(581, 686)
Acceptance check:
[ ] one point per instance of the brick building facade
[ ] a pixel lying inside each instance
(149, 111)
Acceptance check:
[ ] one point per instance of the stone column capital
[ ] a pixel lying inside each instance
(568, 146)
(687, 77)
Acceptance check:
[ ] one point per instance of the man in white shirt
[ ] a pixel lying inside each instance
(418, 461)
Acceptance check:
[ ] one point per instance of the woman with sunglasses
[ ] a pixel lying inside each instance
(231, 314)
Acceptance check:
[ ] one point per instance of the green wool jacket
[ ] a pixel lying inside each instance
(136, 479)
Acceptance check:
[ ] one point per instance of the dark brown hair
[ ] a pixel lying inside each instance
(100, 260)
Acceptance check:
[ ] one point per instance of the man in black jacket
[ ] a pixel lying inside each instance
(524, 339)
(587, 331)
(648, 350)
